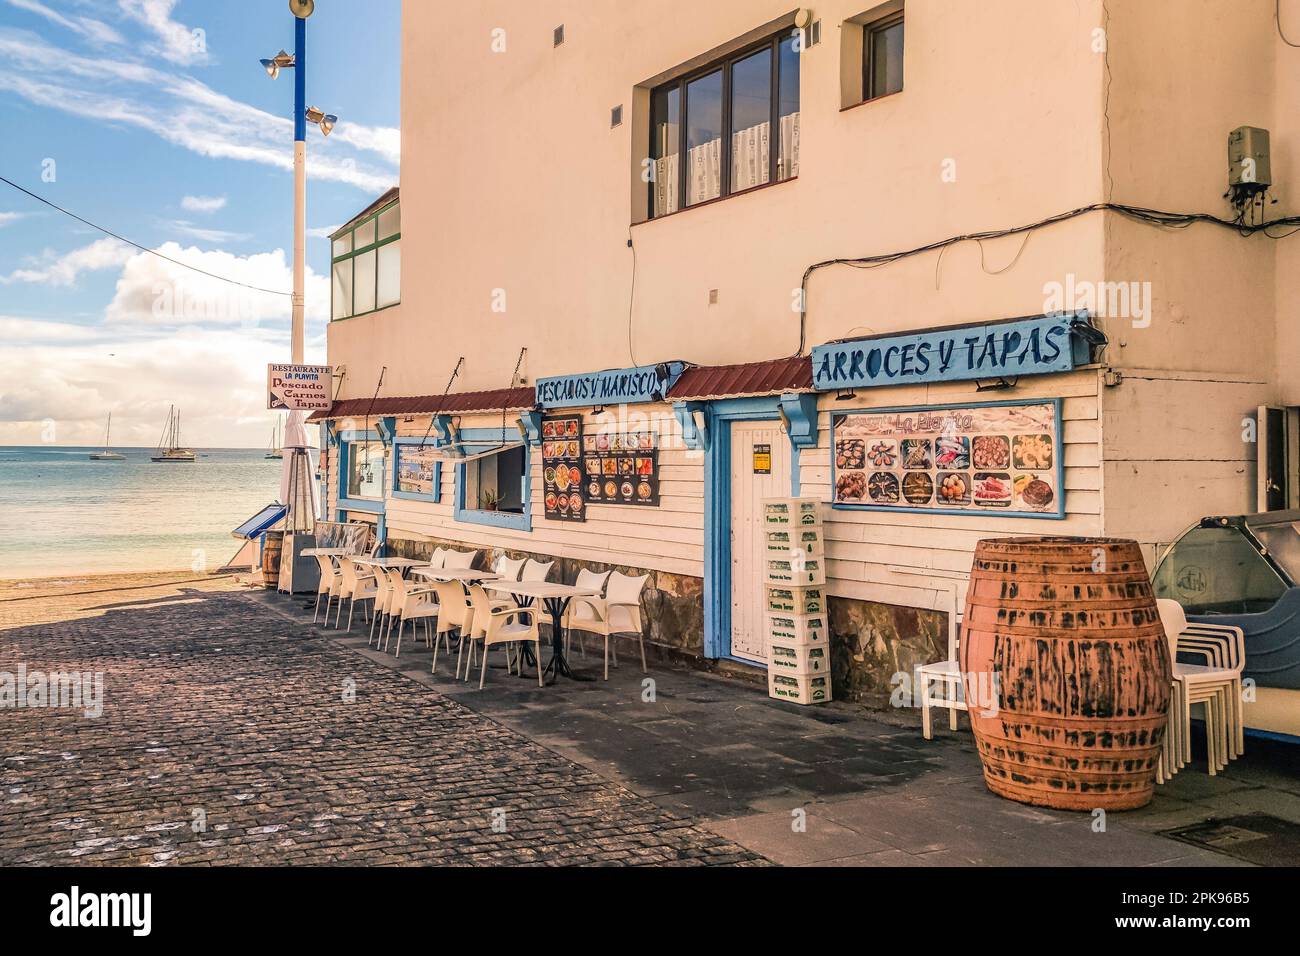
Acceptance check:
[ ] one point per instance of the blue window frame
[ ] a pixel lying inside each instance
(417, 471)
(351, 445)
(475, 440)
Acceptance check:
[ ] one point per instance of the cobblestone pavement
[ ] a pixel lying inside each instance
(231, 735)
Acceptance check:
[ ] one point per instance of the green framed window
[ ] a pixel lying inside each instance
(366, 264)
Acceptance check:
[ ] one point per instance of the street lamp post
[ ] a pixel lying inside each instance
(295, 482)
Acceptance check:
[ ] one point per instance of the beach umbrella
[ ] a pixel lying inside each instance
(298, 476)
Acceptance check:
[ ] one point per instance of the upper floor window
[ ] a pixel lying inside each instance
(367, 264)
(711, 130)
(882, 57)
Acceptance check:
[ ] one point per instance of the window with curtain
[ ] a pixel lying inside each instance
(712, 131)
(367, 465)
(367, 264)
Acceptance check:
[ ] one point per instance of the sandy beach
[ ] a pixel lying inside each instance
(72, 597)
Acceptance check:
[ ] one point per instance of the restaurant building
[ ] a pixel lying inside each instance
(651, 264)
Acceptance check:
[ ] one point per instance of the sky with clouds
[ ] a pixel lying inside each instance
(153, 119)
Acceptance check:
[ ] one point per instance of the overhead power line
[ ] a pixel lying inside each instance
(136, 245)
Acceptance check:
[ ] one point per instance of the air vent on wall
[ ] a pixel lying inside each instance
(616, 116)
(559, 34)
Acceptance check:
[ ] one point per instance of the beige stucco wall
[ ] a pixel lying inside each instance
(512, 179)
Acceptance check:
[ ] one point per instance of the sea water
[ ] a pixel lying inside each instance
(61, 513)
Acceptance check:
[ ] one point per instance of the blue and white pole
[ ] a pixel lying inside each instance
(298, 328)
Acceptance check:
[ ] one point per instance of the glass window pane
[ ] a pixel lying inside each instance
(365, 235)
(390, 222)
(1283, 542)
(1217, 571)
(341, 289)
(390, 274)
(751, 120)
(887, 60)
(342, 245)
(665, 149)
(787, 159)
(367, 465)
(364, 280)
(704, 138)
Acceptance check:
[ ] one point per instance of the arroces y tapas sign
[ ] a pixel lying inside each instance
(299, 388)
(1034, 346)
(622, 386)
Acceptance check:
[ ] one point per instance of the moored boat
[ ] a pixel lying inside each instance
(107, 454)
(169, 448)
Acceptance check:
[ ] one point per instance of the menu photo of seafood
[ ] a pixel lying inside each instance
(974, 458)
(622, 468)
(563, 478)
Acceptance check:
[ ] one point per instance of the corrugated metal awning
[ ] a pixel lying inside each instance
(773, 377)
(457, 403)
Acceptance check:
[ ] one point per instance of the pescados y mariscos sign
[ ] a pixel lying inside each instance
(1034, 346)
(622, 386)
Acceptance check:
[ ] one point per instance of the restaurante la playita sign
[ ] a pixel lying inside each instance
(299, 388)
(1033, 346)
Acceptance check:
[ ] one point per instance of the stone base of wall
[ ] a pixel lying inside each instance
(871, 642)
(672, 605)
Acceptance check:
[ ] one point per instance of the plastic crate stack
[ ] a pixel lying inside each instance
(798, 632)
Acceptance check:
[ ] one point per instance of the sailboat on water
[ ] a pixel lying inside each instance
(276, 451)
(107, 454)
(169, 447)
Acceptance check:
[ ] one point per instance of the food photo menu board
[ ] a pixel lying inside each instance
(622, 468)
(951, 459)
(562, 468)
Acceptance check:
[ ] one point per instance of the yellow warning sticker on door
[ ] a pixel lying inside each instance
(762, 459)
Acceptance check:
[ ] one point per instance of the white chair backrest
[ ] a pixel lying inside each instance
(1174, 620)
(439, 558)
(452, 605)
(623, 589)
(591, 579)
(397, 585)
(327, 571)
(462, 560)
(509, 568)
(537, 570)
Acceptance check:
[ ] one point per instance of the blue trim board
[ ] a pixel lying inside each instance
(1058, 452)
(717, 511)
(495, 519)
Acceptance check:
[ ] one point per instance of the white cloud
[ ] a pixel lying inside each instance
(7, 218)
(91, 29)
(154, 292)
(203, 203)
(207, 235)
(384, 140)
(323, 232)
(184, 112)
(176, 42)
(29, 331)
(55, 270)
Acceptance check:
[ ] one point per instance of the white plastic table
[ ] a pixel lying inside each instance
(555, 598)
(463, 575)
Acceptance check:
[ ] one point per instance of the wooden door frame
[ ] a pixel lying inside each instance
(719, 416)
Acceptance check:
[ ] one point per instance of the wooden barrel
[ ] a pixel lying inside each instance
(1070, 629)
(271, 559)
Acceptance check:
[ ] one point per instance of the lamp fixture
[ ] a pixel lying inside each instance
(598, 410)
(846, 395)
(322, 119)
(302, 9)
(281, 61)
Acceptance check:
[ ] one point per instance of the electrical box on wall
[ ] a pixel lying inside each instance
(1249, 161)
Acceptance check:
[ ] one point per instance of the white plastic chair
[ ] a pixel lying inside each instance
(618, 612)
(939, 684)
(581, 610)
(535, 570)
(454, 613)
(460, 560)
(383, 601)
(327, 585)
(357, 584)
(509, 568)
(439, 558)
(1217, 688)
(502, 626)
(414, 603)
